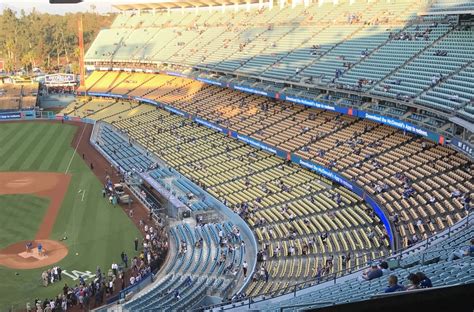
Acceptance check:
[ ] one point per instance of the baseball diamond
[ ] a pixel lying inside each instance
(40, 204)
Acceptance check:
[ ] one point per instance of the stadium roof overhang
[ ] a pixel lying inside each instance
(176, 4)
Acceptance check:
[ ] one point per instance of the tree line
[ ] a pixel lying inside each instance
(46, 40)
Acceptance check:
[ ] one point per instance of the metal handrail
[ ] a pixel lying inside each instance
(304, 305)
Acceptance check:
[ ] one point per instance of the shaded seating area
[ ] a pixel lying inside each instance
(193, 270)
(379, 158)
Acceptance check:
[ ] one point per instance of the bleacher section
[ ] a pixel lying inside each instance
(420, 74)
(10, 96)
(127, 157)
(379, 47)
(453, 93)
(29, 95)
(432, 261)
(18, 96)
(99, 109)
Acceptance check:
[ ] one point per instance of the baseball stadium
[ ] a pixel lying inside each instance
(215, 155)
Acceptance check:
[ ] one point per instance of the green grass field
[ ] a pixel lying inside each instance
(25, 208)
(96, 230)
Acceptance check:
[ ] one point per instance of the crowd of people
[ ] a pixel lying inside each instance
(60, 90)
(103, 285)
(51, 276)
(92, 291)
(109, 191)
(416, 280)
(417, 35)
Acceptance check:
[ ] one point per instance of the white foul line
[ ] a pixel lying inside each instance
(67, 170)
(75, 150)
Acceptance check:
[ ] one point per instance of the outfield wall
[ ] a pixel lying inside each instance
(17, 115)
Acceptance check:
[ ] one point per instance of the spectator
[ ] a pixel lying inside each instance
(466, 200)
(463, 252)
(414, 281)
(177, 294)
(384, 267)
(372, 273)
(393, 285)
(425, 282)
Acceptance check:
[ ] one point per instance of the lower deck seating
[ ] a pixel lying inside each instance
(442, 272)
(200, 263)
(126, 156)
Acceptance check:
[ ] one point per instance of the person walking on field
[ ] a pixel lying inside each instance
(44, 277)
(125, 260)
(136, 244)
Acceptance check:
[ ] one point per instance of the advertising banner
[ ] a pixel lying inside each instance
(11, 115)
(402, 125)
(176, 111)
(463, 146)
(210, 125)
(209, 81)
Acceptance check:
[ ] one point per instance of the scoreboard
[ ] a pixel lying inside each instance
(60, 80)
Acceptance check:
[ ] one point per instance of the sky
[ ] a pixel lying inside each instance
(102, 6)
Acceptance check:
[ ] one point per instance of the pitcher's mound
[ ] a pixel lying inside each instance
(16, 256)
